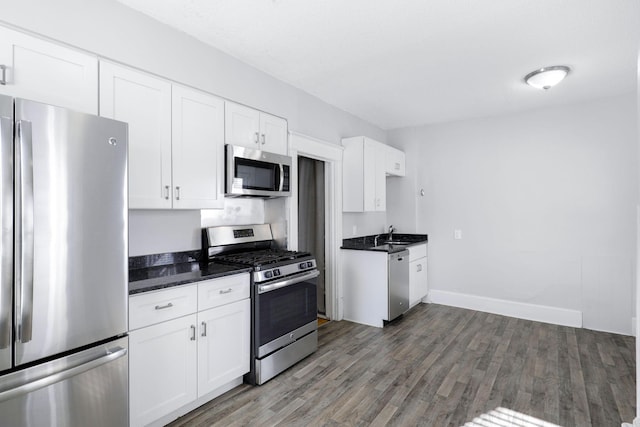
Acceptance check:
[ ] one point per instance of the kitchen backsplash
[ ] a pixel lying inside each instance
(164, 231)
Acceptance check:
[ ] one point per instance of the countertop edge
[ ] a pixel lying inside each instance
(140, 286)
(396, 248)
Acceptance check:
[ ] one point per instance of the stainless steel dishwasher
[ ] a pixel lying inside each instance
(398, 283)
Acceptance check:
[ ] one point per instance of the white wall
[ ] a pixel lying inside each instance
(545, 201)
(113, 31)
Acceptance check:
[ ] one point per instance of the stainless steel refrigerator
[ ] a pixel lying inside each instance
(63, 267)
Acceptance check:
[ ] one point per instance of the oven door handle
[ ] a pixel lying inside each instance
(292, 281)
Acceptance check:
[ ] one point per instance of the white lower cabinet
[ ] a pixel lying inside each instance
(228, 324)
(418, 286)
(175, 362)
(162, 372)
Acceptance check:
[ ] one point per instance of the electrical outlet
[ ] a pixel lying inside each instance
(457, 234)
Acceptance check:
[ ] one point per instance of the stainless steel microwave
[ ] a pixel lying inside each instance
(252, 172)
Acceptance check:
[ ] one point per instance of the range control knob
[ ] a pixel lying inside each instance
(276, 272)
(302, 265)
(268, 275)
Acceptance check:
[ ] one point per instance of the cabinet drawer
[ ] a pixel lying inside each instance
(154, 307)
(216, 292)
(417, 251)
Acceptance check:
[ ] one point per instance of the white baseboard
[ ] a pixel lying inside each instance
(538, 313)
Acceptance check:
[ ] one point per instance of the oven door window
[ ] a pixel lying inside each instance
(285, 309)
(257, 175)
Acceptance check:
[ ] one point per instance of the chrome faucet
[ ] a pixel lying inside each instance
(375, 240)
(391, 230)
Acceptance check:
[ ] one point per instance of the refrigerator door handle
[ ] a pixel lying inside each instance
(6, 237)
(24, 230)
(110, 356)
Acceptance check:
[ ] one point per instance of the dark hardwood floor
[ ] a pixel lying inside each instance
(441, 366)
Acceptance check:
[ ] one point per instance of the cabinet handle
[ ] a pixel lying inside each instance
(257, 141)
(226, 291)
(177, 192)
(419, 267)
(193, 333)
(264, 138)
(204, 329)
(3, 70)
(161, 307)
(166, 192)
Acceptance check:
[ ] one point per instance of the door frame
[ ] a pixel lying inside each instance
(331, 155)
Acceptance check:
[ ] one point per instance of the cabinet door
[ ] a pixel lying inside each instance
(370, 172)
(162, 369)
(46, 72)
(380, 178)
(418, 287)
(197, 149)
(144, 102)
(273, 134)
(223, 348)
(375, 184)
(241, 125)
(394, 161)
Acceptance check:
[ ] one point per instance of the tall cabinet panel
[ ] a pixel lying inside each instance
(197, 149)
(144, 102)
(35, 69)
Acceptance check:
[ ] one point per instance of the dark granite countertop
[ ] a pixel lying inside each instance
(153, 272)
(366, 243)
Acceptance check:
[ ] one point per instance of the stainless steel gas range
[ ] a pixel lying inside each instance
(283, 296)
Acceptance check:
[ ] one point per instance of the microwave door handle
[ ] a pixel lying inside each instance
(281, 186)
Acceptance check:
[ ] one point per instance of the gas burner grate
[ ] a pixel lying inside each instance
(261, 257)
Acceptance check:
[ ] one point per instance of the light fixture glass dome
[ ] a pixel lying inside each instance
(547, 77)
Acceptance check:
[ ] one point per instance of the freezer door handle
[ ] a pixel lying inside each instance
(6, 237)
(24, 230)
(110, 356)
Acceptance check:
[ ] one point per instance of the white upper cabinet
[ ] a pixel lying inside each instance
(394, 161)
(144, 102)
(35, 69)
(364, 171)
(176, 139)
(273, 134)
(242, 125)
(251, 128)
(197, 149)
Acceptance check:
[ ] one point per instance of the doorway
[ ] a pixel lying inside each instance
(312, 219)
(331, 155)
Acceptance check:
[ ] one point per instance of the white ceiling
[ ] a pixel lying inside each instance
(412, 62)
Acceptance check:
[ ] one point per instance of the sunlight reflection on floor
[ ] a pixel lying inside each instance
(503, 417)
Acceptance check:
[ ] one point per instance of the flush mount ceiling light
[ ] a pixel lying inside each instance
(547, 77)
